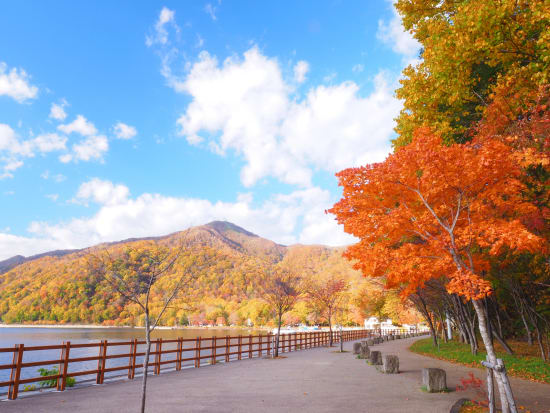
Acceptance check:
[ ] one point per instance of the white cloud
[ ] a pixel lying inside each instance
(57, 111)
(358, 68)
(401, 41)
(13, 150)
(160, 35)
(53, 197)
(80, 125)
(123, 131)
(330, 77)
(49, 142)
(15, 84)
(245, 105)
(10, 165)
(8, 139)
(17, 245)
(287, 219)
(102, 192)
(56, 178)
(200, 41)
(211, 11)
(90, 148)
(300, 71)
(66, 158)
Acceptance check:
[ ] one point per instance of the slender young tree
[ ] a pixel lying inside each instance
(281, 291)
(134, 273)
(326, 294)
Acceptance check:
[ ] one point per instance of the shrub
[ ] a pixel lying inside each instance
(70, 382)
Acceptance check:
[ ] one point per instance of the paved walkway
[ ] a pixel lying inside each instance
(316, 380)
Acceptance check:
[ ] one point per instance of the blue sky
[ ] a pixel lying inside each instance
(125, 119)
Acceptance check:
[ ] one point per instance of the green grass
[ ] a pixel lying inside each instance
(425, 390)
(531, 368)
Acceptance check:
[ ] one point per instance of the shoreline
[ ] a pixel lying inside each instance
(68, 326)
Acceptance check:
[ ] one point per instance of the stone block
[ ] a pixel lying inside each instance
(390, 364)
(356, 348)
(375, 358)
(365, 350)
(435, 380)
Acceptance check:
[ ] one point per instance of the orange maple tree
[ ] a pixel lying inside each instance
(437, 211)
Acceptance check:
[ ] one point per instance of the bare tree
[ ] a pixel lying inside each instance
(134, 273)
(327, 295)
(281, 292)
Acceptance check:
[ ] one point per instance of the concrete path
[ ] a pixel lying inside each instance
(316, 380)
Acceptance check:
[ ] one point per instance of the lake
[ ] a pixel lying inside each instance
(43, 336)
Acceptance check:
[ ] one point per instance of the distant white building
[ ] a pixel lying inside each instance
(373, 323)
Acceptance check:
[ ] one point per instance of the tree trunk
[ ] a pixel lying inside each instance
(145, 362)
(432, 331)
(501, 340)
(527, 330)
(276, 349)
(484, 331)
(539, 341)
(443, 331)
(469, 326)
(330, 328)
(423, 308)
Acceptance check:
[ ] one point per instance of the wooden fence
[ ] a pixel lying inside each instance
(125, 357)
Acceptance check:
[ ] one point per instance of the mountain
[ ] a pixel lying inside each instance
(55, 287)
(12, 262)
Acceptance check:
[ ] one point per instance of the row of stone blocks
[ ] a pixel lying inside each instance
(434, 380)
(387, 363)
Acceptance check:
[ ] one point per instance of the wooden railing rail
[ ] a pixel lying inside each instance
(179, 353)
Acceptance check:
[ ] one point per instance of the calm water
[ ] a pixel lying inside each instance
(38, 336)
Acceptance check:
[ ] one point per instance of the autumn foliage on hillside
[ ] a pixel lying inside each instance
(228, 290)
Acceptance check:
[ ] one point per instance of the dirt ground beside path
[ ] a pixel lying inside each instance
(316, 380)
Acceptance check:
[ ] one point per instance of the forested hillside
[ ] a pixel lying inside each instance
(59, 289)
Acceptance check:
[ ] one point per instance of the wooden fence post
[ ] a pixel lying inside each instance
(16, 371)
(269, 339)
(63, 368)
(490, 388)
(198, 352)
(240, 347)
(507, 387)
(158, 356)
(227, 348)
(250, 346)
(101, 362)
(214, 343)
(179, 353)
(132, 362)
